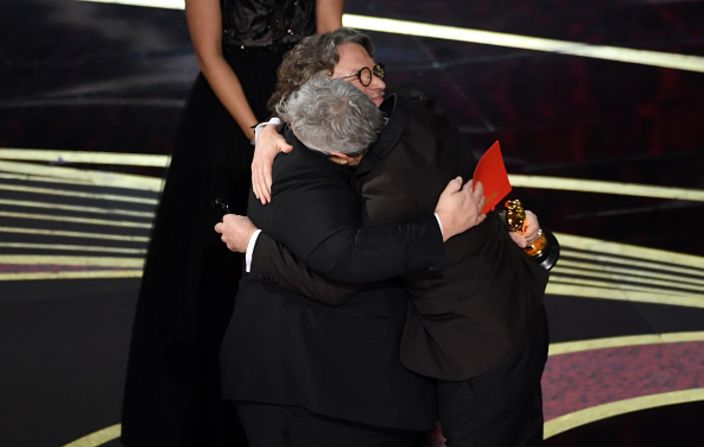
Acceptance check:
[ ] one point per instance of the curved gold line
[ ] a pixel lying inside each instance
(570, 347)
(65, 247)
(605, 52)
(40, 276)
(551, 428)
(97, 438)
(153, 184)
(61, 156)
(84, 209)
(557, 279)
(588, 415)
(601, 258)
(626, 272)
(102, 178)
(74, 234)
(83, 195)
(387, 25)
(674, 283)
(84, 261)
(35, 178)
(620, 294)
(606, 187)
(598, 246)
(79, 220)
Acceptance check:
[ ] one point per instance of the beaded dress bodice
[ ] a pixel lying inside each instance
(261, 23)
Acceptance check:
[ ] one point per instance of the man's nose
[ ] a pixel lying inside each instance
(377, 83)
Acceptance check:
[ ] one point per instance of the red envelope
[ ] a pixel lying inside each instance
(491, 171)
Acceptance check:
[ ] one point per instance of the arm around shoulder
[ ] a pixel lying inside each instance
(204, 19)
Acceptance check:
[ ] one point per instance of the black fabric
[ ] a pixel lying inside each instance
(318, 215)
(500, 408)
(481, 316)
(261, 23)
(274, 264)
(466, 317)
(172, 394)
(339, 362)
(291, 426)
(475, 312)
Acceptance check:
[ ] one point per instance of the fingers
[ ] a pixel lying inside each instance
(219, 229)
(531, 226)
(262, 167)
(259, 183)
(518, 239)
(254, 167)
(261, 180)
(265, 177)
(453, 185)
(266, 187)
(476, 189)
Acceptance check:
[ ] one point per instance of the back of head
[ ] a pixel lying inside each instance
(313, 55)
(330, 115)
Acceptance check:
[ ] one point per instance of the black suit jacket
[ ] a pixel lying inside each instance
(482, 305)
(340, 361)
(477, 310)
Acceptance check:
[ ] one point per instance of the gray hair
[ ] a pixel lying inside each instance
(332, 115)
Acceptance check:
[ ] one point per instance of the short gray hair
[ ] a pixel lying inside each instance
(332, 115)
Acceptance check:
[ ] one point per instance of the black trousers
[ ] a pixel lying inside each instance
(500, 408)
(277, 426)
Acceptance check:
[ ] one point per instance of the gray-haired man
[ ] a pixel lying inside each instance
(478, 326)
(303, 373)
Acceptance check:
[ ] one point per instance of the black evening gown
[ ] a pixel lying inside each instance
(172, 391)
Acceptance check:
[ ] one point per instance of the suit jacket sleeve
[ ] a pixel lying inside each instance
(315, 212)
(376, 253)
(275, 264)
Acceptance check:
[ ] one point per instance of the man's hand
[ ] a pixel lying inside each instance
(529, 233)
(460, 207)
(235, 231)
(269, 144)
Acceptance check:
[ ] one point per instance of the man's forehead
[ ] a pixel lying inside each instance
(354, 55)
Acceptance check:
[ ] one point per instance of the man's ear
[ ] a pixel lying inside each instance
(343, 159)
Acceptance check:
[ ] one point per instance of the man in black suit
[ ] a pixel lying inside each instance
(307, 374)
(478, 325)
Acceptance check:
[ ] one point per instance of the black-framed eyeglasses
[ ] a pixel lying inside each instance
(364, 74)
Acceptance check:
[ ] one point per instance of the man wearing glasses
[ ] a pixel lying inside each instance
(364, 75)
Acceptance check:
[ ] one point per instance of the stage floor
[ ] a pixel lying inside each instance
(600, 122)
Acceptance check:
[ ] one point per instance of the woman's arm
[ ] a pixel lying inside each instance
(205, 26)
(328, 15)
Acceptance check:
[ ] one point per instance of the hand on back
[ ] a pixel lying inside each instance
(269, 144)
(460, 206)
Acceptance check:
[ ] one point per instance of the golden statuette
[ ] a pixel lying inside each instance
(544, 249)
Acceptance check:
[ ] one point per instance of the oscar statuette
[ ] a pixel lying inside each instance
(545, 250)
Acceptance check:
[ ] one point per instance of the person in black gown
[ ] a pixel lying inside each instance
(172, 394)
